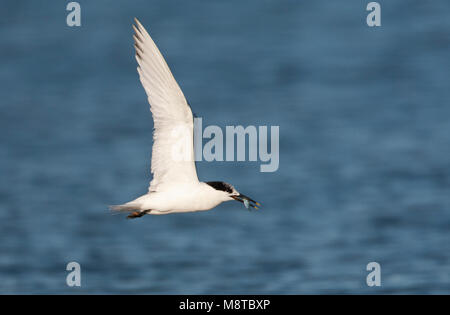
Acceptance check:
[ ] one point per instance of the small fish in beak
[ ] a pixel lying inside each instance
(247, 201)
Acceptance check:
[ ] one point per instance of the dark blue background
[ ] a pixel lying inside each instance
(364, 171)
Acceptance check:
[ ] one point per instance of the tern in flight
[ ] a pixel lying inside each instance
(175, 186)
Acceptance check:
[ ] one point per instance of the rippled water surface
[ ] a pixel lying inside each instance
(364, 172)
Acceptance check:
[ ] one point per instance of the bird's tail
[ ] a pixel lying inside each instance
(127, 207)
(133, 207)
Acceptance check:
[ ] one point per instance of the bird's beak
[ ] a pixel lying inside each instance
(247, 201)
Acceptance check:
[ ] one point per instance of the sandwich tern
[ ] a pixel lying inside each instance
(175, 186)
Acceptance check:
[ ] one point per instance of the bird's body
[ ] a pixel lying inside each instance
(175, 186)
(179, 198)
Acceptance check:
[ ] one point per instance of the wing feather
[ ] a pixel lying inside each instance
(173, 139)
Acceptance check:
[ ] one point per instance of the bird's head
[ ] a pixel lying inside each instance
(231, 193)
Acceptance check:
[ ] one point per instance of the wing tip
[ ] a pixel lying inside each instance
(139, 27)
(138, 24)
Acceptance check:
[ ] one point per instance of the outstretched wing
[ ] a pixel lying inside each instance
(173, 135)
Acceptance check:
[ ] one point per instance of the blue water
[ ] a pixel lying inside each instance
(364, 172)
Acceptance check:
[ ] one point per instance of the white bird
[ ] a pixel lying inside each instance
(175, 186)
